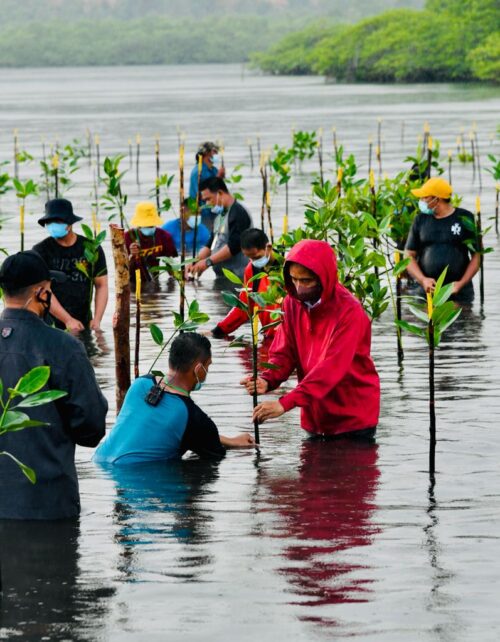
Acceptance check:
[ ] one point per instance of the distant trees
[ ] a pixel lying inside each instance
(451, 40)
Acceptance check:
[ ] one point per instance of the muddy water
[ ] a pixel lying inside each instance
(309, 540)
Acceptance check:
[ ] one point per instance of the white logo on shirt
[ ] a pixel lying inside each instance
(456, 228)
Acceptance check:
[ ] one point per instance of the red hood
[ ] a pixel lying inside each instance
(318, 257)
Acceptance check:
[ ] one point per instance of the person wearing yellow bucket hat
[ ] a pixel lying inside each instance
(442, 236)
(146, 241)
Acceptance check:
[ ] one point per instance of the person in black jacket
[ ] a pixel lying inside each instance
(77, 418)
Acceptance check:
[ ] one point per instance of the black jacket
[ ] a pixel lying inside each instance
(78, 418)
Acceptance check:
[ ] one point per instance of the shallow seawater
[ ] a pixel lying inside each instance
(306, 540)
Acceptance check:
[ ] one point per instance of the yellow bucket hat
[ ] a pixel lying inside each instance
(434, 187)
(146, 215)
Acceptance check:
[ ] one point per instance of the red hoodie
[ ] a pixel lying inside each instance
(329, 345)
(237, 317)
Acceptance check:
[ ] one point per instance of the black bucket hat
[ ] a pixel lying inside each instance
(27, 268)
(59, 209)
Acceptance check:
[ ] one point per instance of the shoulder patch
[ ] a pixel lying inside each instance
(6, 332)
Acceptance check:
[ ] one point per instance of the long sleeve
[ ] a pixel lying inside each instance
(282, 354)
(330, 370)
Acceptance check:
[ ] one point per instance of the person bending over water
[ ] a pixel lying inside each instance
(325, 335)
(159, 420)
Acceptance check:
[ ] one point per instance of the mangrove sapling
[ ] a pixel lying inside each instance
(437, 313)
(478, 157)
(97, 142)
(263, 174)
(88, 137)
(497, 203)
(137, 322)
(280, 163)
(370, 153)
(450, 162)
(250, 150)
(15, 153)
(252, 303)
(335, 145)
(494, 170)
(130, 154)
(195, 318)
(137, 158)
(12, 419)
(157, 165)
(476, 243)
(320, 156)
(182, 276)
(87, 266)
(114, 200)
(23, 190)
(196, 218)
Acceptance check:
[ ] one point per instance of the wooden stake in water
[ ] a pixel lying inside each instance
(121, 318)
(285, 224)
(55, 167)
(130, 154)
(255, 358)
(250, 149)
(450, 161)
(137, 321)
(370, 153)
(473, 154)
(402, 133)
(97, 143)
(263, 173)
(497, 205)
(480, 249)
(16, 153)
(478, 158)
(157, 163)
(379, 145)
(221, 152)
(269, 218)
(397, 259)
(198, 204)
(378, 155)
(427, 133)
(137, 158)
(88, 136)
(340, 174)
(373, 199)
(320, 157)
(258, 146)
(335, 145)
(432, 406)
(21, 225)
(430, 144)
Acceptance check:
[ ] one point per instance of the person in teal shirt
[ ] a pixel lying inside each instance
(188, 218)
(159, 421)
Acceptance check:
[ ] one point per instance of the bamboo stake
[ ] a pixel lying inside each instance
(89, 145)
(497, 206)
(374, 212)
(263, 173)
(480, 248)
(285, 224)
(450, 161)
(55, 166)
(255, 357)
(157, 162)
(397, 259)
(137, 158)
(340, 173)
(478, 158)
(258, 146)
(432, 405)
(121, 318)
(198, 201)
(320, 157)
(379, 146)
(378, 155)
(473, 153)
(137, 321)
(21, 225)
(370, 152)
(250, 149)
(428, 169)
(97, 143)
(269, 218)
(16, 152)
(130, 153)
(335, 145)
(182, 282)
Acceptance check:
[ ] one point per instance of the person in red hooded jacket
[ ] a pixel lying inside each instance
(325, 335)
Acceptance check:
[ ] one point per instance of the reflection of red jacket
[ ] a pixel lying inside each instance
(329, 345)
(237, 317)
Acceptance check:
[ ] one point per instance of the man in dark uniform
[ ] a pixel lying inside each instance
(77, 418)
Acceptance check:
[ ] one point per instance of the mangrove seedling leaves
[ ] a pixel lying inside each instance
(33, 380)
(231, 276)
(233, 301)
(268, 366)
(414, 329)
(419, 312)
(442, 295)
(87, 231)
(41, 398)
(29, 472)
(156, 333)
(401, 266)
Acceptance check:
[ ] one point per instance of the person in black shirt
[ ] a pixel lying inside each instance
(159, 421)
(64, 251)
(438, 239)
(223, 250)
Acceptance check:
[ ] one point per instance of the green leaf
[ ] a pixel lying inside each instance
(419, 313)
(87, 231)
(231, 276)
(439, 283)
(233, 301)
(12, 418)
(414, 329)
(400, 267)
(156, 333)
(41, 398)
(29, 472)
(443, 295)
(194, 307)
(33, 380)
(268, 366)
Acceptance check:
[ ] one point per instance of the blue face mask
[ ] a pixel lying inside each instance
(262, 262)
(218, 210)
(192, 222)
(57, 230)
(148, 231)
(199, 384)
(215, 160)
(424, 208)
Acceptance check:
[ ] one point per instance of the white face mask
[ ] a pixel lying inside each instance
(262, 262)
(192, 222)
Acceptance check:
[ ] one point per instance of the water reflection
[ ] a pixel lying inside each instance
(158, 502)
(328, 509)
(44, 595)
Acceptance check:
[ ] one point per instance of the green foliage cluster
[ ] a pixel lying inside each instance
(448, 41)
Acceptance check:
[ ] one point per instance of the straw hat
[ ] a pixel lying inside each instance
(146, 215)
(434, 187)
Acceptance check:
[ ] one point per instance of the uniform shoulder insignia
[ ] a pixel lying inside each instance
(6, 332)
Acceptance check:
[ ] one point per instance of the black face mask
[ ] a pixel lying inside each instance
(45, 302)
(309, 295)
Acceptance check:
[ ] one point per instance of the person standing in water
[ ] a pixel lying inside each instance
(208, 152)
(325, 336)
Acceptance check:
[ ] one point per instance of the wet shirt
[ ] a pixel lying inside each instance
(74, 294)
(440, 242)
(174, 229)
(151, 248)
(145, 433)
